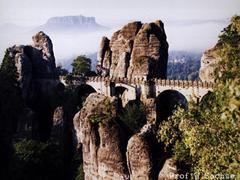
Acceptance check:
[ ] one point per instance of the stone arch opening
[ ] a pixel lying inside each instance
(208, 96)
(120, 93)
(83, 91)
(167, 102)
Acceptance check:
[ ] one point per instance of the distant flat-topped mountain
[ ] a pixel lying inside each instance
(71, 23)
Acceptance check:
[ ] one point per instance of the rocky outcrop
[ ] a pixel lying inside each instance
(209, 62)
(34, 62)
(169, 170)
(100, 137)
(36, 74)
(58, 122)
(137, 50)
(108, 153)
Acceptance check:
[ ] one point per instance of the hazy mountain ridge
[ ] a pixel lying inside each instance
(71, 23)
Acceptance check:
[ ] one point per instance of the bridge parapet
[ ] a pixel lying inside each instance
(141, 81)
(183, 83)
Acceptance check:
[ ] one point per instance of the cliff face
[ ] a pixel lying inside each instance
(100, 141)
(209, 61)
(136, 50)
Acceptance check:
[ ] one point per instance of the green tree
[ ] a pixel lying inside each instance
(36, 160)
(81, 65)
(10, 108)
(207, 135)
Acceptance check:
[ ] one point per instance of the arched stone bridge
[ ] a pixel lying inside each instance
(130, 89)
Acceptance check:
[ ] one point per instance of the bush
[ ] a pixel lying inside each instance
(36, 160)
(81, 66)
(209, 133)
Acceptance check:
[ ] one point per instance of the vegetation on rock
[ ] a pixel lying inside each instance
(103, 115)
(207, 135)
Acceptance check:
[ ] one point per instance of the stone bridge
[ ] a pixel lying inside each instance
(131, 89)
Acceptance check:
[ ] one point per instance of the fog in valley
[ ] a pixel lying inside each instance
(186, 35)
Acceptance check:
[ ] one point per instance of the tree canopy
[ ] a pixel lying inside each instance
(207, 135)
(81, 65)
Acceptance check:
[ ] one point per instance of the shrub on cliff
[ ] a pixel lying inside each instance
(207, 136)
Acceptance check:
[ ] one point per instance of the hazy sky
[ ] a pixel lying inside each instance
(34, 12)
(192, 25)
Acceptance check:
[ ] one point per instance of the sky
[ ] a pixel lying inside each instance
(190, 25)
(33, 12)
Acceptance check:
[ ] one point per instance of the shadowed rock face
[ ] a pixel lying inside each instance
(107, 151)
(36, 73)
(134, 51)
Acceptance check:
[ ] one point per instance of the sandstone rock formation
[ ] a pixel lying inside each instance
(137, 50)
(36, 73)
(140, 156)
(209, 61)
(58, 122)
(108, 153)
(100, 137)
(34, 62)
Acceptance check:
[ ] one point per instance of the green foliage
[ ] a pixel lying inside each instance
(81, 65)
(36, 160)
(9, 69)
(207, 135)
(134, 116)
(10, 95)
(169, 131)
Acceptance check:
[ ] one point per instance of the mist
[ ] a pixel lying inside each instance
(191, 36)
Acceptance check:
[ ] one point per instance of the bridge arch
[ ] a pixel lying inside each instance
(85, 89)
(167, 102)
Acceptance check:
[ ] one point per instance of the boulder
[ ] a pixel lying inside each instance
(100, 137)
(140, 155)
